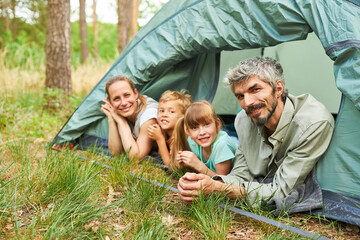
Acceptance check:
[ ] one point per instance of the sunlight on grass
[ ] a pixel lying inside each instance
(208, 218)
(152, 228)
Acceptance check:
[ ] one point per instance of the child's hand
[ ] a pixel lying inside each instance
(154, 132)
(188, 159)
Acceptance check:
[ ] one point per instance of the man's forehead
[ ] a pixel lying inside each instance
(249, 83)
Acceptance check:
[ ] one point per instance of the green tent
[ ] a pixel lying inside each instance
(190, 44)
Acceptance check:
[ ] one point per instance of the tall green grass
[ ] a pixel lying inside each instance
(53, 195)
(211, 221)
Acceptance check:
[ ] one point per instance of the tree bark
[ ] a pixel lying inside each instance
(95, 31)
(83, 33)
(58, 46)
(5, 11)
(13, 26)
(124, 19)
(134, 17)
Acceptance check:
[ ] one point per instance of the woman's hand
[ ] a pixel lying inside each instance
(154, 132)
(110, 112)
(107, 108)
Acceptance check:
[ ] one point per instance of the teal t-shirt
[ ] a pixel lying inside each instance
(222, 149)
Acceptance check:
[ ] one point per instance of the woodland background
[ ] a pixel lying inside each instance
(48, 64)
(38, 35)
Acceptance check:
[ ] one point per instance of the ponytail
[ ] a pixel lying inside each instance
(179, 142)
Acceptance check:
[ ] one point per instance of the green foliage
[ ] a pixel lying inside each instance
(23, 53)
(107, 42)
(28, 49)
(7, 193)
(152, 228)
(59, 193)
(72, 195)
(208, 218)
(25, 116)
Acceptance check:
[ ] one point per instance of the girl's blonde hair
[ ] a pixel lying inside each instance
(181, 97)
(176, 142)
(199, 112)
(118, 78)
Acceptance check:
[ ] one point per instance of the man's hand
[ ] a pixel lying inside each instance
(191, 184)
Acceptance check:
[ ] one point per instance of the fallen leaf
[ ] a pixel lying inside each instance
(187, 236)
(119, 227)
(168, 219)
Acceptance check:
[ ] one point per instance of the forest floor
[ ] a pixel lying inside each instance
(124, 207)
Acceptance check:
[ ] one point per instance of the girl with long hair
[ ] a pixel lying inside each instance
(172, 106)
(211, 150)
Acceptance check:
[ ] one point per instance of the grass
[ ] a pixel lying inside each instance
(211, 221)
(45, 194)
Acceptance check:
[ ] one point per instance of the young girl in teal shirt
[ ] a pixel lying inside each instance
(212, 150)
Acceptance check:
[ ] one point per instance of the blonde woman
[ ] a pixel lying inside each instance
(129, 114)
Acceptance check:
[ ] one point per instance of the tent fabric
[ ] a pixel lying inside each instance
(168, 48)
(338, 170)
(179, 49)
(340, 207)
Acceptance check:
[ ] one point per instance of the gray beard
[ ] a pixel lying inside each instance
(260, 122)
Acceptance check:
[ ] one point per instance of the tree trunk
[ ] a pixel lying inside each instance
(124, 19)
(13, 26)
(134, 17)
(5, 11)
(58, 46)
(95, 31)
(83, 33)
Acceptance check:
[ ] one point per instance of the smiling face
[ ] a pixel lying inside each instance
(204, 134)
(260, 100)
(202, 124)
(169, 113)
(123, 98)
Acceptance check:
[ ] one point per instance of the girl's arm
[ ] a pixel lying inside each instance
(155, 133)
(223, 168)
(189, 159)
(142, 146)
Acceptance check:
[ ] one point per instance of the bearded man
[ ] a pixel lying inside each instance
(281, 137)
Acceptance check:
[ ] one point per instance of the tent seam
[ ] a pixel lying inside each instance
(341, 45)
(355, 2)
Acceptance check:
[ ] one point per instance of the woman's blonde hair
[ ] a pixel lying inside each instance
(118, 78)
